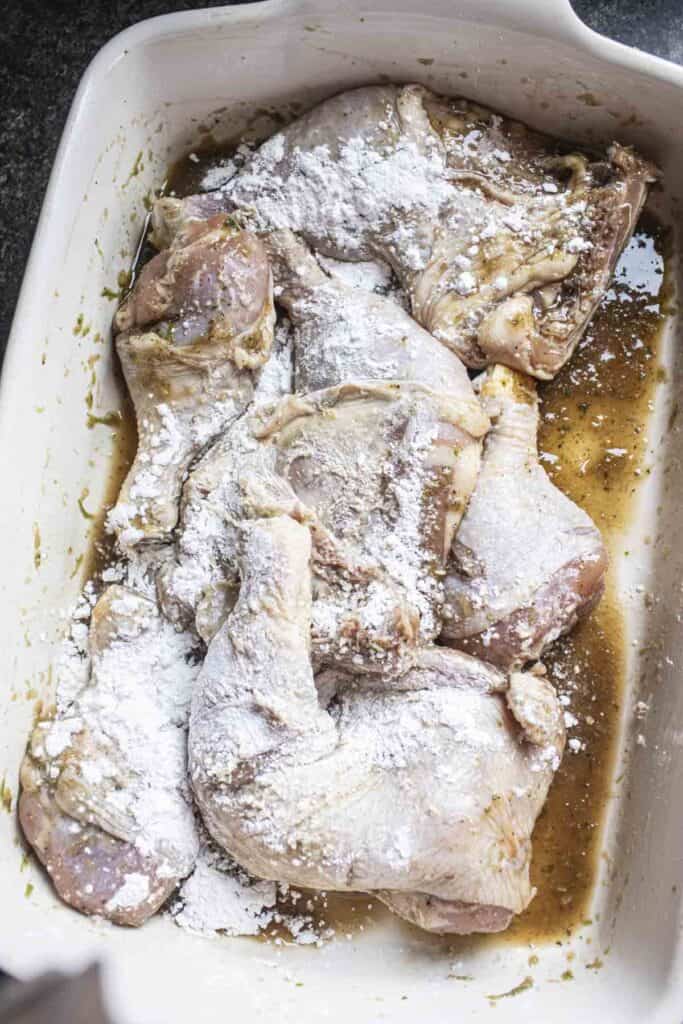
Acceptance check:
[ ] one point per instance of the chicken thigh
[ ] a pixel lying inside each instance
(527, 561)
(196, 326)
(421, 786)
(380, 471)
(503, 245)
(104, 801)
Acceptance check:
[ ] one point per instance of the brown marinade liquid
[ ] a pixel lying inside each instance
(594, 416)
(100, 552)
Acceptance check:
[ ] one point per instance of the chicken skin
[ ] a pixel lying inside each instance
(381, 471)
(194, 330)
(526, 562)
(104, 801)
(503, 244)
(426, 785)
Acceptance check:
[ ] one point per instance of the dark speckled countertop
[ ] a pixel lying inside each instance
(45, 46)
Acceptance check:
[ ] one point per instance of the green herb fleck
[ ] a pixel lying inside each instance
(567, 976)
(25, 861)
(595, 965)
(5, 795)
(77, 565)
(525, 984)
(37, 556)
(137, 167)
(109, 419)
(28, 890)
(84, 512)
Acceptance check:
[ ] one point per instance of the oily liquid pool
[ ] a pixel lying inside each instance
(594, 415)
(592, 433)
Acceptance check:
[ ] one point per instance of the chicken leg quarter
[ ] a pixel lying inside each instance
(103, 801)
(196, 326)
(503, 244)
(425, 785)
(381, 471)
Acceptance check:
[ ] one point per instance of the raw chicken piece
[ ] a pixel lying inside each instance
(426, 785)
(343, 333)
(92, 871)
(503, 245)
(527, 561)
(453, 917)
(104, 800)
(381, 472)
(178, 217)
(196, 326)
(543, 230)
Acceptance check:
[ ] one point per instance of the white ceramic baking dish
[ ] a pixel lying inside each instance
(152, 91)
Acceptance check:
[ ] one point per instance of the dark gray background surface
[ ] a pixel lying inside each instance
(45, 45)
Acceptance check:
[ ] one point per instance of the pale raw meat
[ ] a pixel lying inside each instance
(527, 561)
(381, 471)
(104, 801)
(343, 333)
(197, 325)
(503, 243)
(420, 785)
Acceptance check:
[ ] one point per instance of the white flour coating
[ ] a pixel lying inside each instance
(351, 192)
(546, 555)
(369, 275)
(276, 378)
(221, 173)
(116, 750)
(399, 545)
(166, 447)
(367, 176)
(371, 504)
(193, 333)
(503, 246)
(345, 332)
(385, 194)
(134, 890)
(211, 501)
(219, 898)
(210, 513)
(391, 786)
(171, 439)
